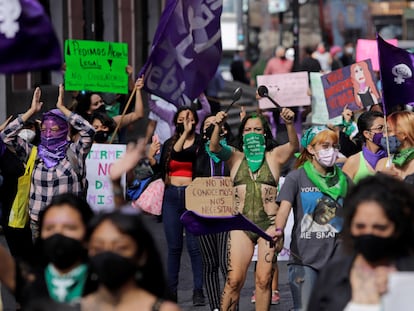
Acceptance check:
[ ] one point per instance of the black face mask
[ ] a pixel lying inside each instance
(375, 248)
(113, 270)
(101, 136)
(62, 251)
(179, 127)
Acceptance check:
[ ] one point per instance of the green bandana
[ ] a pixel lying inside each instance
(113, 110)
(67, 287)
(403, 157)
(349, 127)
(254, 149)
(333, 184)
(213, 155)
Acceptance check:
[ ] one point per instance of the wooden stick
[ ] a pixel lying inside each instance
(123, 114)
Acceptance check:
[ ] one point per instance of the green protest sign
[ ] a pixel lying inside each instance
(96, 66)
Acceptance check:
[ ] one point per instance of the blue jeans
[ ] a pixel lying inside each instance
(301, 281)
(173, 207)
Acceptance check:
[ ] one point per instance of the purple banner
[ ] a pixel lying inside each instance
(27, 39)
(397, 69)
(186, 50)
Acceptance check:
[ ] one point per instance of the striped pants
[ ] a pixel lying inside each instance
(214, 253)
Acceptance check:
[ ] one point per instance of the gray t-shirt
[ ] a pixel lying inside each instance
(317, 220)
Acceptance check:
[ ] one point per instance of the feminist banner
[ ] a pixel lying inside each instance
(186, 50)
(27, 39)
(397, 69)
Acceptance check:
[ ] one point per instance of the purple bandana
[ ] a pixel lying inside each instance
(371, 157)
(53, 137)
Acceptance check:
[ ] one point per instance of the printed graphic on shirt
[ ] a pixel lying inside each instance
(322, 216)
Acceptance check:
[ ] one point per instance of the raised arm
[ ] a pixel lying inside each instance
(287, 150)
(138, 112)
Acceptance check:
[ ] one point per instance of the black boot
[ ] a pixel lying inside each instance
(198, 298)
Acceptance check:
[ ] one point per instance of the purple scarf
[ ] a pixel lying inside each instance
(53, 143)
(371, 157)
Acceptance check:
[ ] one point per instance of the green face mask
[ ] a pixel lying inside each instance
(254, 149)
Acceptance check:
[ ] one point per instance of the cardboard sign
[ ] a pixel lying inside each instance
(98, 164)
(368, 49)
(287, 89)
(351, 86)
(210, 196)
(320, 114)
(96, 66)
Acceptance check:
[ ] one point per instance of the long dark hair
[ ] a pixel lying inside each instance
(131, 223)
(176, 134)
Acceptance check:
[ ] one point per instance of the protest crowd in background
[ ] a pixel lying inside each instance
(320, 167)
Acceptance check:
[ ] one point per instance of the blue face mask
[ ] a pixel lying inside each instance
(394, 143)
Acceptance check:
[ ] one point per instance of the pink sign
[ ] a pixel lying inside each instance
(368, 49)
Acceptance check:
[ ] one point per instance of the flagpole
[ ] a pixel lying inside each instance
(388, 163)
(123, 114)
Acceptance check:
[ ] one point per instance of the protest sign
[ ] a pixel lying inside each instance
(287, 89)
(210, 196)
(351, 86)
(98, 165)
(368, 49)
(319, 110)
(96, 66)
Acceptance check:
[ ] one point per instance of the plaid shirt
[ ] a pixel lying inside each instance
(61, 178)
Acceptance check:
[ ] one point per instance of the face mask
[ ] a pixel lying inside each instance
(101, 136)
(62, 251)
(377, 138)
(394, 143)
(327, 157)
(27, 135)
(101, 108)
(254, 149)
(113, 270)
(179, 128)
(375, 248)
(349, 50)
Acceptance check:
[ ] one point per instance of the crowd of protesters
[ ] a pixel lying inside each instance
(349, 191)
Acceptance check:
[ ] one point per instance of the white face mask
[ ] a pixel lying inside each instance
(349, 50)
(27, 135)
(327, 157)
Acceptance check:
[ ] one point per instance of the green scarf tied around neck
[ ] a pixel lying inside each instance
(403, 157)
(67, 287)
(333, 183)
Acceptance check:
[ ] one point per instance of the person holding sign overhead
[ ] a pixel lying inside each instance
(54, 171)
(255, 170)
(177, 164)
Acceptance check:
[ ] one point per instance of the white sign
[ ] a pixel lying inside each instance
(287, 89)
(98, 164)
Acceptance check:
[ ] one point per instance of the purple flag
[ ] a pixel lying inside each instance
(27, 39)
(397, 70)
(186, 50)
(200, 224)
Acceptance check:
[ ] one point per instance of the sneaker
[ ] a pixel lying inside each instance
(253, 299)
(198, 298)
(275, 297)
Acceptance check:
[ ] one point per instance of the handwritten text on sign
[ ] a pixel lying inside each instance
(98, 164)
(96, 66)
(287, 89)
(211, 196)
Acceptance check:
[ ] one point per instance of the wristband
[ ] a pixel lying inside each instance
(224, 153)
